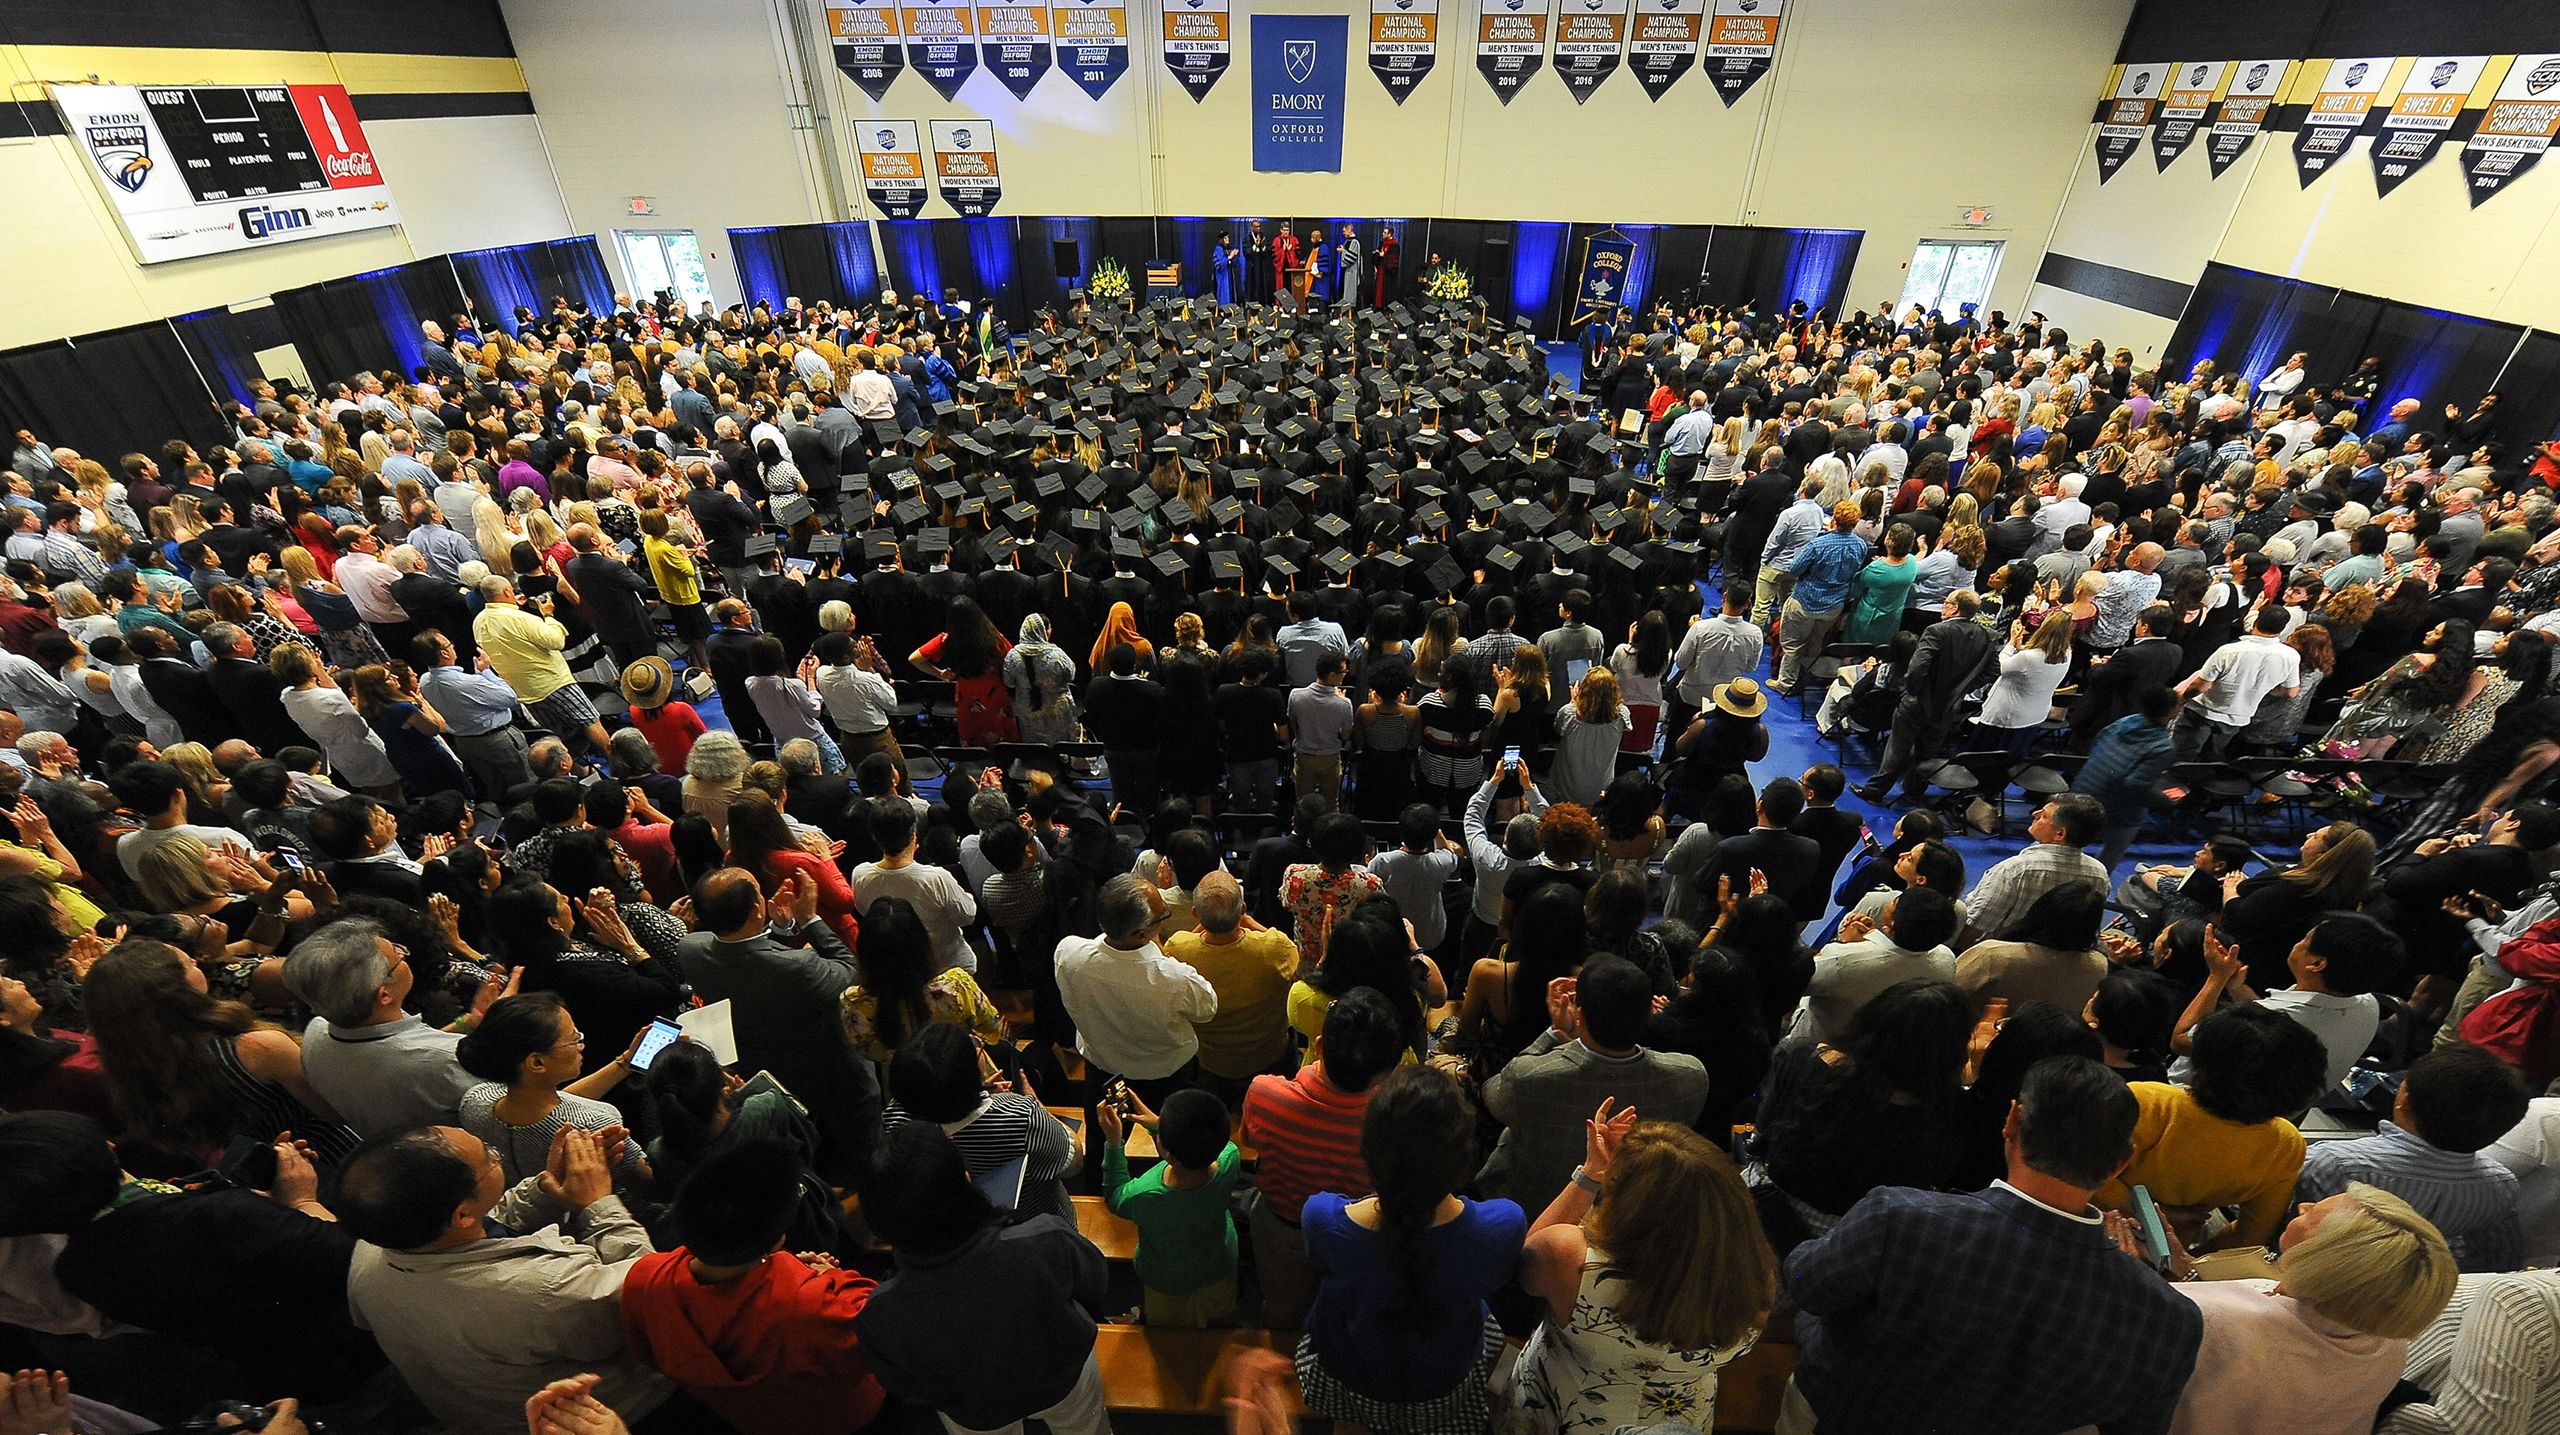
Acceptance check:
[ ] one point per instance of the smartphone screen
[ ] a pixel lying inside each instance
(661, 1034)
(1510, 755)
(1574, 668)
(2150, 1230)
(287, 858)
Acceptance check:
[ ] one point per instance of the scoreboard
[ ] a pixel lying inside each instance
(192, 170)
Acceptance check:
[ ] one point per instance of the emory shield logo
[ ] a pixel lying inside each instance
(1298, 57)
(963, 138)
(886, 139)
(122, 148)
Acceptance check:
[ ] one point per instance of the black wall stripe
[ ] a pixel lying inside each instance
(29, 117)
(442, 107)
(2144, 293)
(445, 27)
(2298, 29)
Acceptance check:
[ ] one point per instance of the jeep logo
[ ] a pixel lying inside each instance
(259, 221)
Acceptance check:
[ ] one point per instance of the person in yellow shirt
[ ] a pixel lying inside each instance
(523, 646)
(2223, 1138)
(679, 582)
(1250, 967)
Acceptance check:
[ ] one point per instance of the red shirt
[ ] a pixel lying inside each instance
(653, 846)
(1306, 1133)
(835, 894)
(772, 1350)
(670, 731)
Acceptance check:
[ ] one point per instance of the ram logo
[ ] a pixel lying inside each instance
(260, 221)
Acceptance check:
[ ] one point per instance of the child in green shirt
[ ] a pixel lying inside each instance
(1186, 1235)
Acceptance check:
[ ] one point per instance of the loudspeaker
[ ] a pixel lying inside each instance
(1065, 258)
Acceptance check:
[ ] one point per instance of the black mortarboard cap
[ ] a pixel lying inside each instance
(1394, 559)
(877, 545)
(1126, 548)
(1178, 513)
(1332, 526)
(1023, 512)
(936, 463)
(1331, 451)
(1483, 500)
(1625, 558)
(1474, 461)
(1091, 488)
(910, 510)
(945, 409)
(1567, 543)
(791, 509)
(1339, 561)
(1280, 567)
(1285, 515)
(1226, 567)
(1145, 500)
(1303, 487)
(1049, 485)
(823, 544)
(1582, 486)
(971, 506)
(1085, 520)
(1505, 558)
(917, 436)
(760, 544)
(950, 491)
(1446, 576)
(1539, 517)
(934, 540)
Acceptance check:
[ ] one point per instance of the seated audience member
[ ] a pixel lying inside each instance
(1592, 1051)
(2336, 967)
(1641, 1303)
(144, 1253)
(2455, 1102)
(1906, 943)
(1249, 968)
(2222, 1138)
(1400, 1338)
(1897, 1304)
(477, 1316)
(1305, 1130)
(763, 1336)
(527, 1053)
(703, 1112)
(1182, 1207)
(929, 1329)
(380, 1067)
(1134, 1008)
(2061, 828)
(1879, 1107)
(2483, 1364)
(2050, 955)
(938, 1078)
(2317, 1344)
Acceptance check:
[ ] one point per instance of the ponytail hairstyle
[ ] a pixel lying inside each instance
(688, 1092)
(1418, 1140)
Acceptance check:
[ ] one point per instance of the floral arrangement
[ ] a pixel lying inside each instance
(1108, 283)
(1449, 284)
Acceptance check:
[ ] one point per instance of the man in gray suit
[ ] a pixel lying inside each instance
(785, 1004)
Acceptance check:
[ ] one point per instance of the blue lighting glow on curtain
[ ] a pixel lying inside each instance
(1535, 251)
(857, 268)
(1818, 262)
(991, 255)
(213, 337)
(400, 318)
(908, 243)
(1088, 237)
(499, 281)
(1648, 238)
(579, 265)
(758, 254)
(1195, 243)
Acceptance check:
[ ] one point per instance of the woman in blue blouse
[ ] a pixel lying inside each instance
(1227, 268)
(1400, 1338)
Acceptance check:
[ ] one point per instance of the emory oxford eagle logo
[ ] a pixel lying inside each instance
(121, 145)
(2141, 82)
(2195, 77)
(1298, 57)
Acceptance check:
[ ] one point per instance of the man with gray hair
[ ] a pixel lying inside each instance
(989, 809)
(1249, 966)
(249, 690)
(1494, 860)
(1134, 1007)
(378, 1064)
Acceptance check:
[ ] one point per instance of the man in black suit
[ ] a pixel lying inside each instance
(250, 691)
(725, 521)
(824, 800)
(783, 604)
(615, 596)
(362, 839)
(2009, 538)
(786, 1003)
(431, 600)
(1949, 661)
(1754, 510)
(731, 663)
(1791, 863)
(2114, 686)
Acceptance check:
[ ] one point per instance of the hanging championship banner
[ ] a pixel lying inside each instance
(1013, 42)
(2414, 128)
(864, 35)
(892, 167)
(2336, 112)
(1742, 40)
(1093, 43)
(1664, 44)
(964, 166)
(2243, 110)
(942, 42)
(2182, 109)
(1195, 43)
(1591, 41)
(2127, 117)
(1603, 287)
(1511, 43)
(2516, 128)
(1404, 43)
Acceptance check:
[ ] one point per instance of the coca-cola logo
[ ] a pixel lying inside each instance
(348, 166)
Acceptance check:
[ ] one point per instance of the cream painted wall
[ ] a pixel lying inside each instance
(461, 184)
(719, 151)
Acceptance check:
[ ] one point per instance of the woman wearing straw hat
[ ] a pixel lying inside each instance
(1726, 736)
(649, 686)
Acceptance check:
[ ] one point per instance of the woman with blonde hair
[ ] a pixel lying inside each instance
(1724, 452)
(1440, 641)
(1588, 731)
(2264, 916)
(1647, 1292)
(345, 638)
(2315, 1346)
(204, 781)
(491, 533)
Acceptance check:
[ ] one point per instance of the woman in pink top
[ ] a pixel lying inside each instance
(2314, 1350)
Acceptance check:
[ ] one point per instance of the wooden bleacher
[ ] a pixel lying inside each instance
(1112, 1235)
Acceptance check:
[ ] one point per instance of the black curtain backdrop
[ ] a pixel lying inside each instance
(2529, 391)
(225, 345)
(107, 394)
(348, 326)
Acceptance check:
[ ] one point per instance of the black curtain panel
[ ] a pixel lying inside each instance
(2529, 391)
(1680, 254)
(348, 326)
(225, 346)
(809, 262)
(2438, 358)
(107, 394)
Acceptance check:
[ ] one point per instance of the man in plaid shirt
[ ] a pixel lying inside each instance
(2002, 1312)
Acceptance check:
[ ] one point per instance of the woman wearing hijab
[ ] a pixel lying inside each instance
(1043, 679)
(1121, 626)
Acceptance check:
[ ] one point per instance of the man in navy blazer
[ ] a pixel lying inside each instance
(2007, 1311)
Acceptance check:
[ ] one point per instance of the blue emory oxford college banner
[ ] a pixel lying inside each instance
(1603, 287)
(1298, 66)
